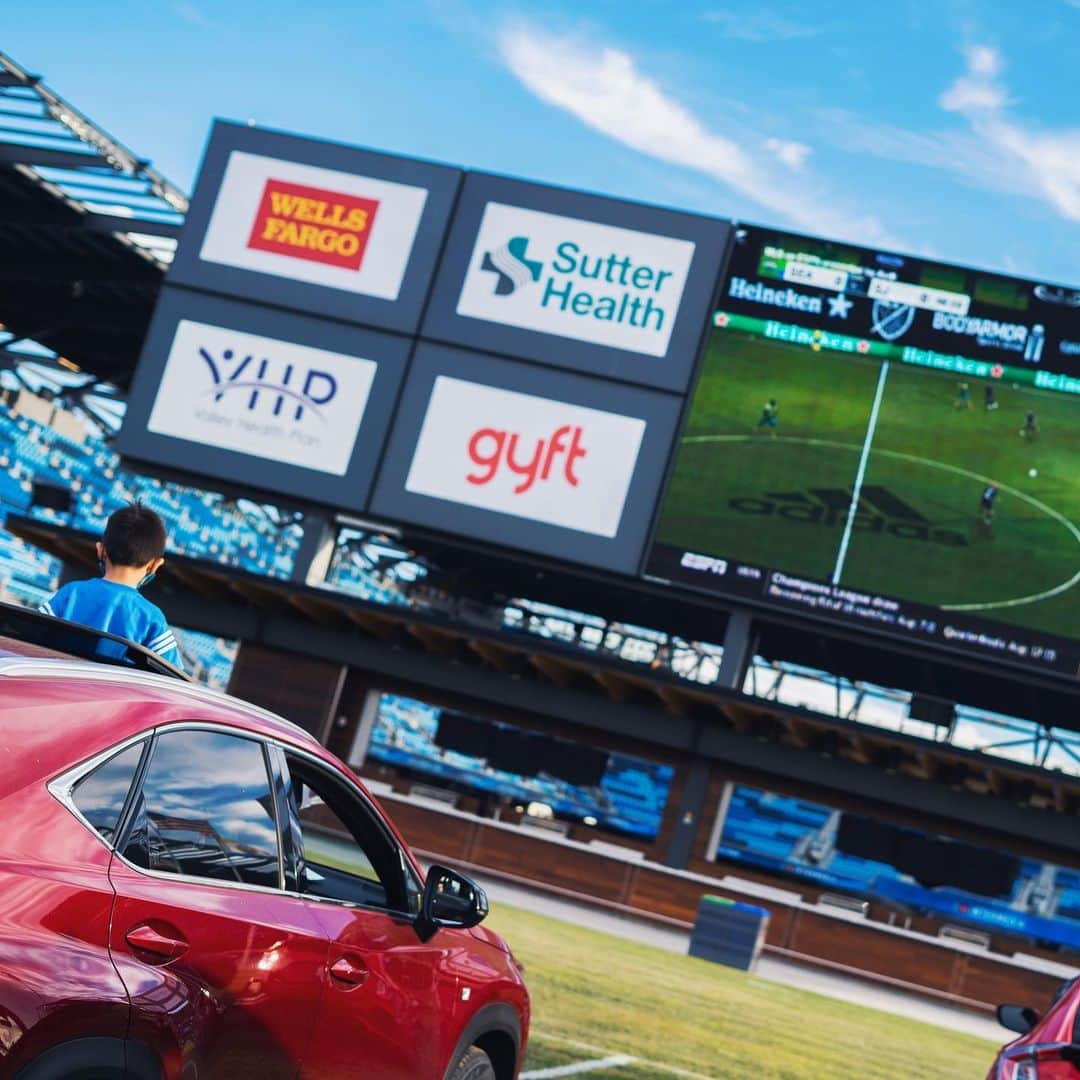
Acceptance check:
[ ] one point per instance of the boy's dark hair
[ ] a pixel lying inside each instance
(134, 536)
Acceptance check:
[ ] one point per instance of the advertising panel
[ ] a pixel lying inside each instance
(263, 398)
(551, 463)
(315, 226)
(889, 441)
(591, 284)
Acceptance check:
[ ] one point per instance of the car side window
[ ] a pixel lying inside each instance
(206, 810)
(100, 795)
(344, 853)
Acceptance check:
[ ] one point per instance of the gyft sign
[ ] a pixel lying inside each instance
(578, 279)
(515, 454)
(533, 457)
(590, 284)
(256, 395)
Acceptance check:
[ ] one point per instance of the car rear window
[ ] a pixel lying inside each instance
(100, 795)
(205, 810)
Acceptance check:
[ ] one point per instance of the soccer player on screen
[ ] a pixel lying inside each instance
(1030, 428)
(991, 397)
(963, 396)
(769, 413)
(986, 507)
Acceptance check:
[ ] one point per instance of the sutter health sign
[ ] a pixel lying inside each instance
(529, 456)
(577, 279)
(311, 224)
(257, 395)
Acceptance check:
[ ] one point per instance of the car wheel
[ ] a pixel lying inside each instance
(474, 1065)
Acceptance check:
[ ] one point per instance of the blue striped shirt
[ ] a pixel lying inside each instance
(116, 609)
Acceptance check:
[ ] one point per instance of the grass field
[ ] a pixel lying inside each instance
(597, 997)
(782, 502)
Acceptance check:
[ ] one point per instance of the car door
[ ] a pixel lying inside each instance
(390, 1000)
(223, 968)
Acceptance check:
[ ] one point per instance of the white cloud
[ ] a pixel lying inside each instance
(976, 89)
(792, 154)
(603, 88)
(1048, 161)
(761, 26)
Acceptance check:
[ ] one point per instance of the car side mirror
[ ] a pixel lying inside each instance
(450, 900)
(1018, 1018)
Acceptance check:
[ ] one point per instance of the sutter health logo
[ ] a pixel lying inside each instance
(261, 396)
(321, 226)
(577, 279)
(311, 223)
(529, 456)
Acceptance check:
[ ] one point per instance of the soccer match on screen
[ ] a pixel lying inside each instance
(539, 542)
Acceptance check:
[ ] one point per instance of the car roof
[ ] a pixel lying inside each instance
(56, 711)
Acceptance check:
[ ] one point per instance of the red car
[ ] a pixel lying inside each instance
(1049, 1046)
(191, 887)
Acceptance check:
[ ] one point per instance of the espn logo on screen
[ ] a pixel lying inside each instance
(312, 223)
(320, 226)
(532, 457)
(602, 284)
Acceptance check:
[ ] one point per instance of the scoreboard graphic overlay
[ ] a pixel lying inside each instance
(887, 440)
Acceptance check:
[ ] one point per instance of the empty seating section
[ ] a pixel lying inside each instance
(202, 524)
(630, 798)
(799, 839)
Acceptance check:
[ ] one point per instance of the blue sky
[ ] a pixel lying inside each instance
(948, 129)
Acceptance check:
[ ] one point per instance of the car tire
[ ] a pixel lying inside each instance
(474, 1065)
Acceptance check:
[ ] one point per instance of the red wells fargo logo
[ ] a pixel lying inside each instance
(310, 223)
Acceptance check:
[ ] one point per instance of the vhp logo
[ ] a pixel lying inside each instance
(511, 265)
(272, 386)
(263, 397)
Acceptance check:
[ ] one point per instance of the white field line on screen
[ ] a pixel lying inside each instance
(667, 1070)
(856, 491)
(579, 1067)
(980, 478)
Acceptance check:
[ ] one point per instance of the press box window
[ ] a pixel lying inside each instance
(100, 795)
(206, 810)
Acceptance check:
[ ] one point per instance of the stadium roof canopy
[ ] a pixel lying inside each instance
(86, 230)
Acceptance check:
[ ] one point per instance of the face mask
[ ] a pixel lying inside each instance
(101, 566)
(146, 580)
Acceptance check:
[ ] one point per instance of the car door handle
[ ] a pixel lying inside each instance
(145, 938)
(348, 971)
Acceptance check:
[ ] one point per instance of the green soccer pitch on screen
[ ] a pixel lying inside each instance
(884, 439)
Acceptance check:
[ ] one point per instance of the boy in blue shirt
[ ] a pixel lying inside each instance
(130, 553)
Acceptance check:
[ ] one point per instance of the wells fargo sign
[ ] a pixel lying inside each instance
(312, 223)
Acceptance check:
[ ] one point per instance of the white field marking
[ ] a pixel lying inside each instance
(670, 1070)
(579, 1067)
(856, 491)
(1041, 506)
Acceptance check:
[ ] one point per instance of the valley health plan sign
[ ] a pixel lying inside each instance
(592, 284)
(562, 465)
(318, 227)
(264, 398)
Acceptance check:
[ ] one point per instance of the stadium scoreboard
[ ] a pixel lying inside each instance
(851, 434)
(889, 441)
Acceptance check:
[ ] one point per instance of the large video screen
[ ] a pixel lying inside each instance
(887, 440)
(991, 891)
